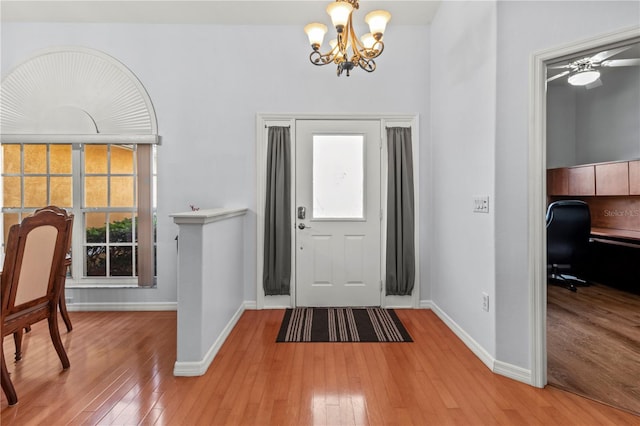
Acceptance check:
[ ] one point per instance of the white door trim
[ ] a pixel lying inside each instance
(263, 120)
(538, 193)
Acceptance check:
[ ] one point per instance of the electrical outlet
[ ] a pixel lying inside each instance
(481, 204)
(485, 302)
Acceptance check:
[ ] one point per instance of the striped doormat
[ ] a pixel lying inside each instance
(342, 325)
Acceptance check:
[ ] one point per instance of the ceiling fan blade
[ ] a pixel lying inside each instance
(599, 57)
(555, 77)
(558, 67)
(621, 62)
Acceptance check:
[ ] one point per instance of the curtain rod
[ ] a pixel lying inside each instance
(266, 127)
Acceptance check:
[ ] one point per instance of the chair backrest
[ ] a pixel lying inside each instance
(35, 254)
(568, 231)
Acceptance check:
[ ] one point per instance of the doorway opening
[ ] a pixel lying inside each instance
(543, 156)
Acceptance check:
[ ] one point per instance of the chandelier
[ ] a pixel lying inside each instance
(347, 51)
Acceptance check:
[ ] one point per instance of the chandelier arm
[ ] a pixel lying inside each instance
(369, 65)
(319, 59)
(360, 55)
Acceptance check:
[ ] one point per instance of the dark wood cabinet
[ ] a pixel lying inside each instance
(582, 180)
(557, 182)
(634, 177)
(612, 178)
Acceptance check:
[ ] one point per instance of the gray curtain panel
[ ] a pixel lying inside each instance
(400, 213)
(276, 276)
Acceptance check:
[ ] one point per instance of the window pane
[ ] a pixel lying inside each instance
(60, 159)
(11, 192)
(9, 219)
(61, 192)
(95, 224)
(11, 158)
(35, 159)
(122, 191)
(96, 261)
(35, 191)
(121, 261)
(338, 176)
(95, 191)
(95, 158)
(120, 228)
(121, 160)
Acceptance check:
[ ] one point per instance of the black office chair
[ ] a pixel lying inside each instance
(568, 231)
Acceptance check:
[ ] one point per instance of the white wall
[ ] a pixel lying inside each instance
(523, 28)
(608, 118)
(207, 83)
(561, 126)
(463, 102)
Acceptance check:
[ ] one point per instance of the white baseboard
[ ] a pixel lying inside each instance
(475, 347)
(128, 306)
(513, 372)
(504, 369)
(250, 305)
(198, 368)
(426, 304)
(398, 302)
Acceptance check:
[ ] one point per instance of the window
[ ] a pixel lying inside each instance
(338, 176)
(108, 187)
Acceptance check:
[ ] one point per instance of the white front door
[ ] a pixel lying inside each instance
(337, 211)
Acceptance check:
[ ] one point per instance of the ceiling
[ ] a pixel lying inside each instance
(232, 12)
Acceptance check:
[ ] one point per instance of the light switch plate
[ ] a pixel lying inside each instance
(481, 204)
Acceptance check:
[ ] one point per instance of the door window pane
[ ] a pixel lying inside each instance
(338, 176)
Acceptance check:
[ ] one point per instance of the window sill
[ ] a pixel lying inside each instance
(105, 283)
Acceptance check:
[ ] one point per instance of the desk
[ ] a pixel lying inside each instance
(618, 234)
(614, 256)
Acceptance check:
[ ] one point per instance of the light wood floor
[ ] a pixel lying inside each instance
(122, 363)
(593, 343)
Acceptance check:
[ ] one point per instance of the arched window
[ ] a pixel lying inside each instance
(79, 131)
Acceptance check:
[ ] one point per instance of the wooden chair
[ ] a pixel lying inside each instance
(34, 261)
(62, 303)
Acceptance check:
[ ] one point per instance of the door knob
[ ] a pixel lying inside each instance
(303, 226)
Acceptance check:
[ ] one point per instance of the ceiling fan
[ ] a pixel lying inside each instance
(584, 71)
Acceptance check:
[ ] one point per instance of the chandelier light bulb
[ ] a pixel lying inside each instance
(368, 40)
(339, 12)
(315, 32)
(377, 21)
(583, 78)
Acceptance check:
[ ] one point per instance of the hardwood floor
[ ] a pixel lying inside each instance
(593, 343)
(122, 373)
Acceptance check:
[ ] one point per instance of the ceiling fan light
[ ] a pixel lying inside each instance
(583, 78)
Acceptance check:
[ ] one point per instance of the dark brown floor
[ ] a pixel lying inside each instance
(593, 344)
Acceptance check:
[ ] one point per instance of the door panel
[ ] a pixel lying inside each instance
(338, 213)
